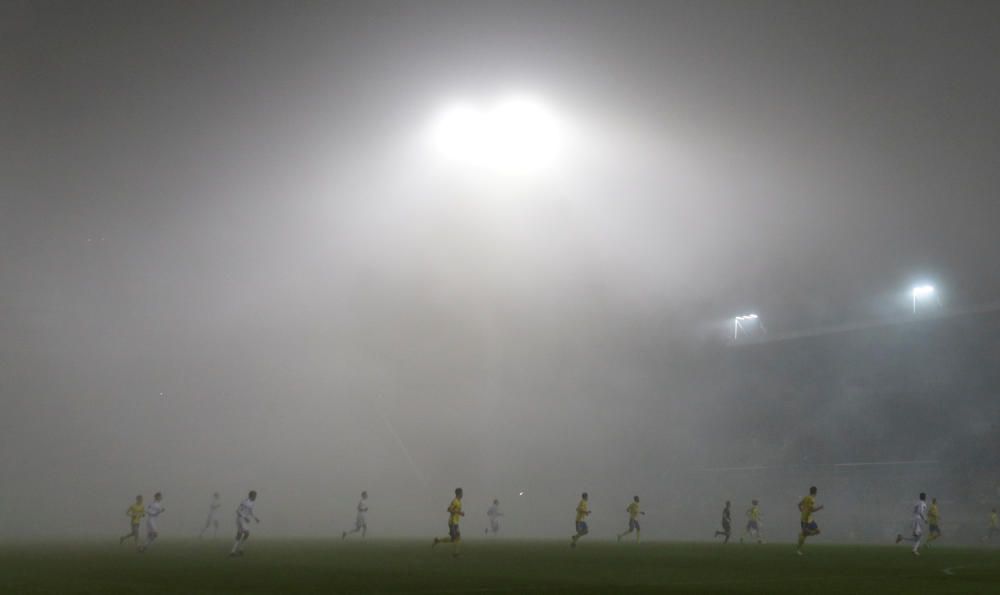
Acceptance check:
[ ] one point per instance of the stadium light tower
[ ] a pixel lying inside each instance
(739, 321)
(922, 292)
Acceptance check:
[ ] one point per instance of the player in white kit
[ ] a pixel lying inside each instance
(919, 519)
(244, 514)
(494, 515)
(360, 521)
(211, 521)
(153, 510)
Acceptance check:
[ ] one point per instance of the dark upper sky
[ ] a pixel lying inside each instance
(842, 149)
(217, 199)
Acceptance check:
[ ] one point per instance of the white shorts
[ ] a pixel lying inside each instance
(360, 522)
(242, 524)
(917, 529)
(151, 525)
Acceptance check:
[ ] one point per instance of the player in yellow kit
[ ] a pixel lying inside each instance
(582, 512)
(135, 514)
(633, 519)
(807, 506)
(933, 521)
(753, 523)
(455, 514)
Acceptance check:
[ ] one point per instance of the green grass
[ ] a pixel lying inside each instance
(377, 566)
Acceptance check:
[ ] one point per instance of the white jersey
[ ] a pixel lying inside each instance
(494, 512)
(362, 509)
(153, 510)
(919, 518)
(212, 508)
(245, 511)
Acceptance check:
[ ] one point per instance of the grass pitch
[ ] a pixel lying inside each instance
(531, 567)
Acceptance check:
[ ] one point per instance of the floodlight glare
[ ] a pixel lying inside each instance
(516, 133)
(458, 131)
(920, 293)
(737, 326)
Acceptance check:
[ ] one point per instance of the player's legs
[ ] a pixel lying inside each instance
(918, 537)
(215, 529)
(242, 534)
(456, 539)
(133, 534)
(808, 530)
(360, 525)
(726, 532)
(626, 531)
(581, 530)
(453, 534)
(151, 536)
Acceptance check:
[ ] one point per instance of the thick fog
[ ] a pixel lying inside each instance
(230, 259)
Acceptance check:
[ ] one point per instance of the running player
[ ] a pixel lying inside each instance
(582, 512)
(361, 520)
(633, 519)
(933, 522)
(916, 527)
(154, 510)
(135, 514)
(244, 514)
(455, 514)
(807, 506)
(753, 523)
(727, 524)
(494, 515)
(211, 521)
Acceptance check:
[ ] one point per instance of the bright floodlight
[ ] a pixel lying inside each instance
(920, 293)
(515, 134)
(458, 131)
(738, 323)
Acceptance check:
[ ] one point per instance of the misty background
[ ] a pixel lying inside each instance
(227, 263)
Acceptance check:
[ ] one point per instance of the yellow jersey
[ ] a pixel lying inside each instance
(806, 506)
(136, 512)
(933, 516)
(753, 514)
(633, 510)
(455, 510)
(581, 511)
